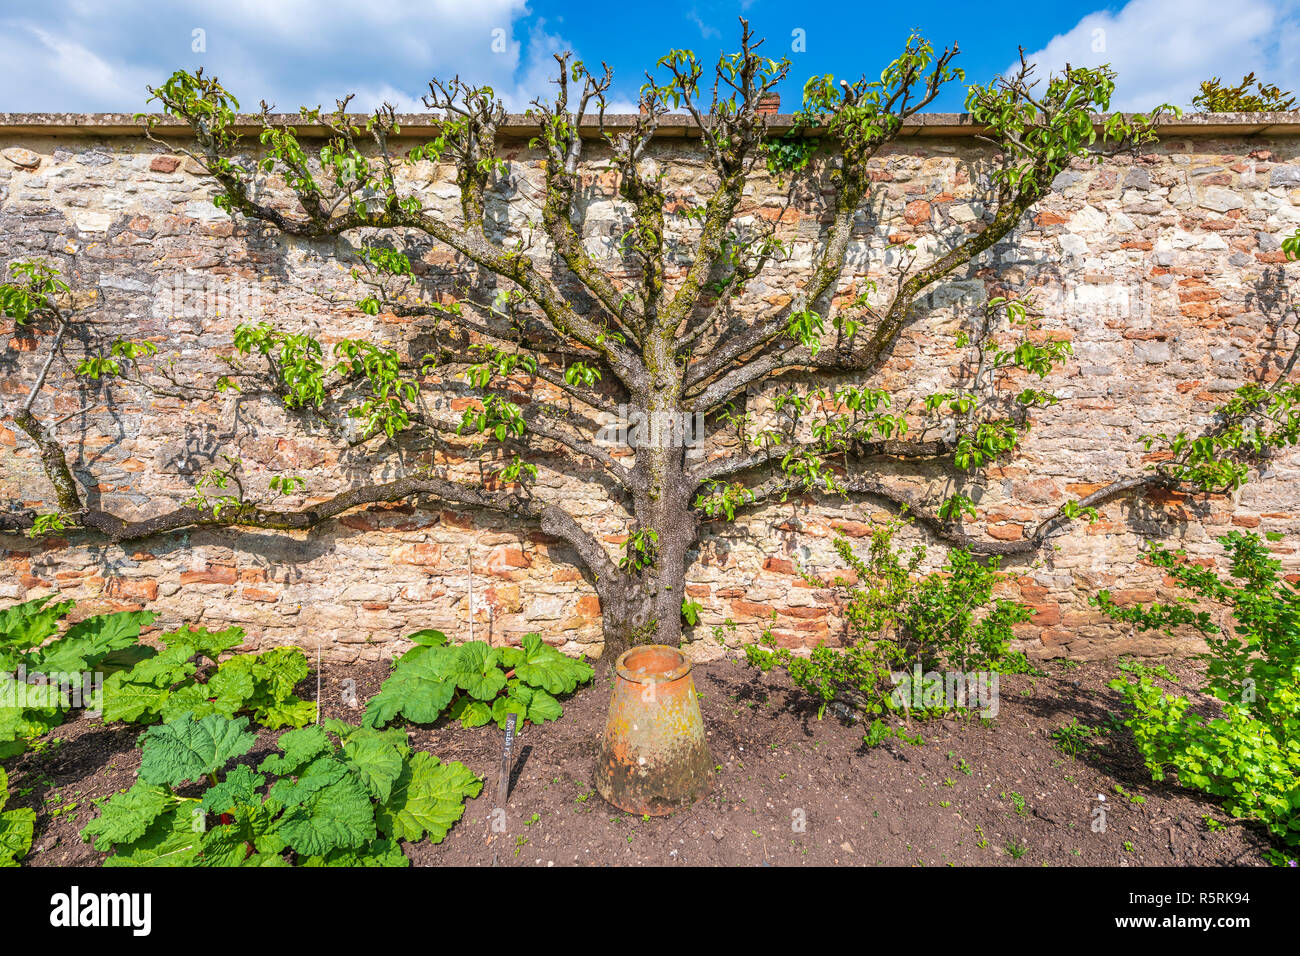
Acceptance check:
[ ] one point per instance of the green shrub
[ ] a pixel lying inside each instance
(139, 684)
(176, 680)
(16, 827)
(1249, 754)
(316, 803)
(98, 643)
(475, 682)
(899, 620)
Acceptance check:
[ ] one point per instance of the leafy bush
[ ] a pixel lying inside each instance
(98, 643)
(1214, 97)
(172, 683)
(899, 620)
(475, 682)
(16, 827)
(1250, 753)
(348, 803)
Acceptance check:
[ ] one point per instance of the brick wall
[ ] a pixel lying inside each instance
(1164, 272)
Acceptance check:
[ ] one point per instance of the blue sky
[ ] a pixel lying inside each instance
(77, 55)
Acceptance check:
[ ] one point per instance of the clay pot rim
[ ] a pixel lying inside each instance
(663, 676)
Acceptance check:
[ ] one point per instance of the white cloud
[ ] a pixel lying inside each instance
(71, 55)
(707, 31)
(1163, 49)
(68, 72)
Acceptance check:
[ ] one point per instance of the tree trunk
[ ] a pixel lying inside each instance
(645, 606)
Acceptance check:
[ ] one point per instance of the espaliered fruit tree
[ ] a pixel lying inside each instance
(676, 334)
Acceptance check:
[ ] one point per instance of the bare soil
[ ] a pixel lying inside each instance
(789, 789)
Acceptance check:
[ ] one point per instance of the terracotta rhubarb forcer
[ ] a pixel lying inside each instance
(654, 758)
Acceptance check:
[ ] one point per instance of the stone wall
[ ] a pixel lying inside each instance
(1165, 272)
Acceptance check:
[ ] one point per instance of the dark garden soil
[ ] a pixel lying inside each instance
(998, 793)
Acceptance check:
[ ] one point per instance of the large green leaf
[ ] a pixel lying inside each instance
(16, 827)
(191, 699)
(125, 817)
(125, 699)
(278, 671)
(429, 798)
(286, 713)
(171, 840)
(544, 707)
(377, 762)
(474, 668)
(19, 724)
(249, 822)
(428, 638)
(26, 625)
(87, 642)
(326, 810)
(420, 691)
(516, 702)
(377, 853)
(165, 669)
(300, 748)
(226, 846)
(189, 749)
(471, 713)
(539, 664)
(199, 640)
(239, 788)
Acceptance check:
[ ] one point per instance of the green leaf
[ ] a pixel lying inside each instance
(539, 664)
(544, 707)
(377, 762)
(377, 853)
(471, 713)
(200, 640)
(429, 798)
(30, 623)
(419, 690)
(16, 827)
(124, 699)
(474, 668)
(16, 830)
(328, 808)
(238, 788)
(189, 749)
(87, 642)
(169, 667)
(191, 699)
(512, 704)
(125, 817)
(428, 638)
(230, 689)
(300, 747)
(290, 713)
(278, 671)
(171, 840)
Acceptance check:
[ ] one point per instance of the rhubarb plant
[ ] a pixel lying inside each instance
(187, 677)
(476, 683)
(45, 674)
(16, 827)
(336, 795)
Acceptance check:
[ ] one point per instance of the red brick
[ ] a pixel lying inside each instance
(141, 589)
(743, 608)
(1046, 615)
(213, 574)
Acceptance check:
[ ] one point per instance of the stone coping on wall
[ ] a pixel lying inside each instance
(518, 124)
